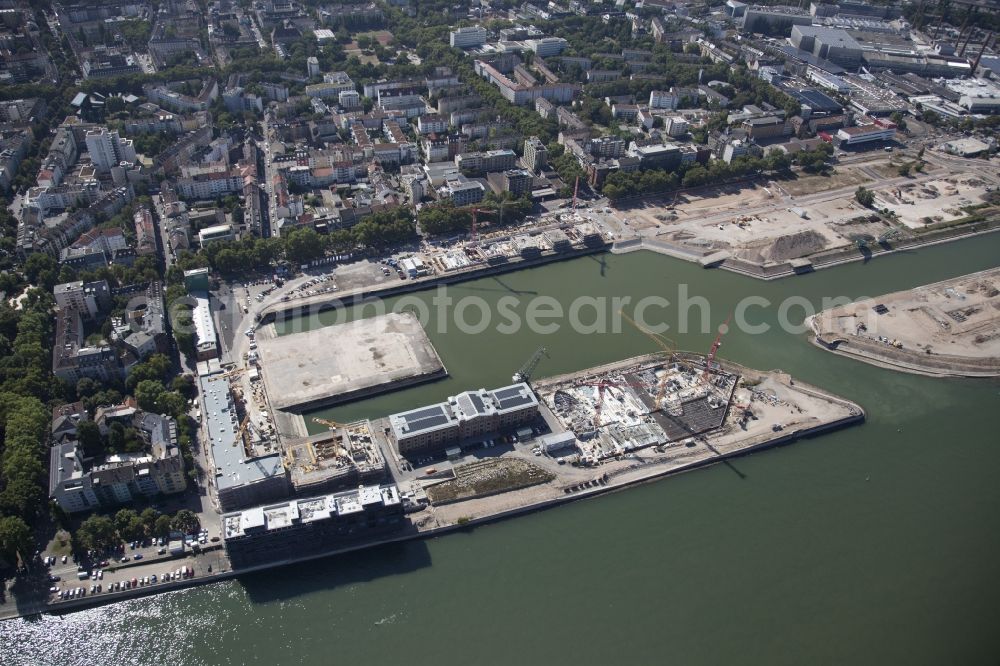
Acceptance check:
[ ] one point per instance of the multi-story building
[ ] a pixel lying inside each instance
(77, 485)
(463, 38)
(469, 416)
(607, 146)
(311, 526)
(547, 46)
(517, 181)
(536, 156)
(210, 185)
(460, 190)
(108, 150)
(242, 478)
(90, 298)
(663, 99)
(676, 126)
(431, 123)
(484, 162)
(518, 93)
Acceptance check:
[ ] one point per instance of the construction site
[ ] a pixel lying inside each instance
(947, 328)
(344, 456)
(794, 222)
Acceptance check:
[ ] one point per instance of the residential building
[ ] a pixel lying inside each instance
(241, 476)
(484, 162)
(90, 298)
(77, 484)
(460, 190)
(463, 38)
(663, 99)
(517, 181)
(311, 526)
(535, 154)
(675, 126)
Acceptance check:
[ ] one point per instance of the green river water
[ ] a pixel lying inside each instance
(877, 544)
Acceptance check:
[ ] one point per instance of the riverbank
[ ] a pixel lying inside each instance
(574, 483)
(315, 304)
(949, 328)
(810, 263)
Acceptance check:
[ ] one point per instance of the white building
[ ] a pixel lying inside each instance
(852, 136)
(312, 66)
(676, 126)
(461, 190)
(349, 99)
(108, 150)
(464, 38)
(662, 99)
(89, 299)
(547, 46)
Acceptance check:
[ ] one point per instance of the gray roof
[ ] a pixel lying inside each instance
(231, 464)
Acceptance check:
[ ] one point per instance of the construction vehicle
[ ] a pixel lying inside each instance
(524, 374)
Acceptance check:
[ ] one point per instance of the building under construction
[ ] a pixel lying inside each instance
(649, 402)
(344, 456)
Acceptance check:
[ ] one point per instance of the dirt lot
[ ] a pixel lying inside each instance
(959, 317)
(813, 184)
(918, 204)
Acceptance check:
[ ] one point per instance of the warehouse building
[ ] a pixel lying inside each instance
(470, 415)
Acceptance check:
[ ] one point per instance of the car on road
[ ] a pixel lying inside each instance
(138, 556)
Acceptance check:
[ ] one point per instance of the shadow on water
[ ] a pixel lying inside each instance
(603, 261)
(504, 288)
(336, 571)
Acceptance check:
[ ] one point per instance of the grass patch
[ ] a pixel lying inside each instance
(488, 477)
(61, 544)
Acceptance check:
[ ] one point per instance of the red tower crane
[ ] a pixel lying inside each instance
(715, 348)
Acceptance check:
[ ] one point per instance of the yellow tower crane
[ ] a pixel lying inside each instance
(669, 351)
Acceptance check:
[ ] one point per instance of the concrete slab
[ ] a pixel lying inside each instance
(333, 364)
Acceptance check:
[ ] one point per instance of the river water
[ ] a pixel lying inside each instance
(873, 545)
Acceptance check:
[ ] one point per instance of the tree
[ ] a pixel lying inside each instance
(303, 245)
(864, 196)
(185, 521)
(904, 168)
(89, 435)
(148, 393)
(149, 516)
(123, 522)
(96, 533)
(15, 539)
(161, 527)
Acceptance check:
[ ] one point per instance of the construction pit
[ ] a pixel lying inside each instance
(334, 364)
(946, 328)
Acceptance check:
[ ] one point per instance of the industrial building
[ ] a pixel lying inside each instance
(832, 44)
(877, 131)
(467, 416)
(311, 526)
